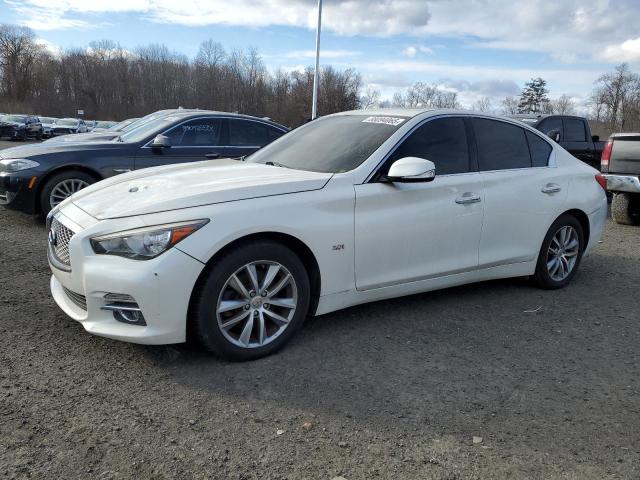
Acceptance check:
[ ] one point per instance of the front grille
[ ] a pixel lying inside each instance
(59, 241)
(78, 299)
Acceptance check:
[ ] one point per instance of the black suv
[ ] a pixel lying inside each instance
(20, 127)
(36, 178)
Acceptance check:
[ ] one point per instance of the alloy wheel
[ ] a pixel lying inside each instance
(256, 304)
(562, 254)
(65, 189)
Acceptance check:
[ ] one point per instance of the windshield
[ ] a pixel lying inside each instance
(144, 129)
(331, 144)
(103, 124)
(15, 118)
(47, 120)
(67, 122)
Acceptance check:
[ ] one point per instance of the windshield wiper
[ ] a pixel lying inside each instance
(276, 164)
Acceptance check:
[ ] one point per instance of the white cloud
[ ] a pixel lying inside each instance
(412, 50)
(627, 51)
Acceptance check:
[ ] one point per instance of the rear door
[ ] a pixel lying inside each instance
(191, 141)
(524, 191)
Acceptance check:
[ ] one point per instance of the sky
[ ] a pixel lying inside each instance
(477, 48)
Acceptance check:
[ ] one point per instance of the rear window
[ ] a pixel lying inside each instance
(246, 133)
(501, 146)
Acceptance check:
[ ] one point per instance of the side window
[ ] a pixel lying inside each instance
(201, 132)
(443, 141)
(574, 130)
(501, 145)
(246, 133)
(553, 123)
(540, 150)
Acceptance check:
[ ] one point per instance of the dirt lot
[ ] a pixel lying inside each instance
(396, 389)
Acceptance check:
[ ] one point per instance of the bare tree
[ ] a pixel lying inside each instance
(563, 105)
(370, 98)
(422, 95)
(483, 105)
(509, 106)
(110, 82)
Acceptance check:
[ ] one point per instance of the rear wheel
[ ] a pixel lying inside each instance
(61, 186)
(560, 253)
(251, 301)
(625, 208)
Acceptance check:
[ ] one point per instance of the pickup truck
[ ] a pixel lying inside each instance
(571, 132)
(620, 165)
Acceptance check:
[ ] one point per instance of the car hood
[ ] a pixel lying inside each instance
(85, 137)
(35, 150)
(12, 124)
(174, 187)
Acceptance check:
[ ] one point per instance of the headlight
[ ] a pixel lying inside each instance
(145, 243)
(16, 164)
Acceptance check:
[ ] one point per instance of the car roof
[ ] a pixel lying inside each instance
(198, 113)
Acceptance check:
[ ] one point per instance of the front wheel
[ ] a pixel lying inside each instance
(560, 253)
(251, 301)
(61, 186)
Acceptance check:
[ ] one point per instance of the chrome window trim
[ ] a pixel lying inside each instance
(216, 117)
(552, 156)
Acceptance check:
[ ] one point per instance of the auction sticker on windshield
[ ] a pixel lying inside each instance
(395, 121)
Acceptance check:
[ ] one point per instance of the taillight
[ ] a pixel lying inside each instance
(602, 180)
(606, 156)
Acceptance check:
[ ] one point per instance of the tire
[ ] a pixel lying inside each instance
(81, 179)
(217, 287)
(625, 209)
(548, 273)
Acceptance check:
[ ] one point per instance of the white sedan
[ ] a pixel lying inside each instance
(350, 208)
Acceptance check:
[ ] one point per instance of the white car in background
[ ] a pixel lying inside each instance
(350, 208)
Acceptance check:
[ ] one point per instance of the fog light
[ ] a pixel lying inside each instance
(124, 308)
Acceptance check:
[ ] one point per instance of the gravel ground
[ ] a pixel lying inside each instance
(395, 389)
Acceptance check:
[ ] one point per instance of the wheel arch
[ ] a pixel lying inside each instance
(295, 244)
(583, 219)
(63, 168)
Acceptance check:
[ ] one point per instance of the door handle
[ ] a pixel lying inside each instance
(212, 156)
(467, 198)
(551, 188)
(121, 170)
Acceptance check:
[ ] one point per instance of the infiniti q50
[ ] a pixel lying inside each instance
(350, 208)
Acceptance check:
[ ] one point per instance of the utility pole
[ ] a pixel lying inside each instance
(316, 73)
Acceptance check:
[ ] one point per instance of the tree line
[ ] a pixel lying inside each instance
(109, 82)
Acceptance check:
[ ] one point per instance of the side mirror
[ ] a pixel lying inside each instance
(412, 169)
(161, 141)
(554, 135)
(595, 138)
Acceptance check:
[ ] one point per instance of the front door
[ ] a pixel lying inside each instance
(192, 141)
(407, 232)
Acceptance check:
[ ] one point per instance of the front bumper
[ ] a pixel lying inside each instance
(11, 132)
(161, 287)
(62, 131)
(623, 183)
(15, 192)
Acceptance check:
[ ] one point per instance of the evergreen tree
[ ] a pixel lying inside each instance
(533, 98)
